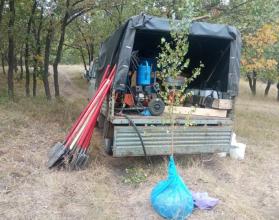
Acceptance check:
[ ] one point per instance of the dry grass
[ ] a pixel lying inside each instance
(28, 190)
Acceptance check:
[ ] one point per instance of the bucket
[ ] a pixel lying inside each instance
(144, 74)
(237, 151)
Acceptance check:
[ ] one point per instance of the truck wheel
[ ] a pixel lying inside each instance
(108, 146)
(108, 136)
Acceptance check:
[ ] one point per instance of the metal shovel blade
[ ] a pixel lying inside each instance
(81, 160)
(56, 157)
(55, 148)
(72, 163)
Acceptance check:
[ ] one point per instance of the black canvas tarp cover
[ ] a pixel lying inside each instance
(118, 47)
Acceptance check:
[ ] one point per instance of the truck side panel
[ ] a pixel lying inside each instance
(157, 140)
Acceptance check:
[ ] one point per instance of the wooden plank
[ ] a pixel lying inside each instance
(210, 102)
(197, 111)
(222, 104)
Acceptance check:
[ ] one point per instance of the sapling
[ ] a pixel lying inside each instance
(172, 62)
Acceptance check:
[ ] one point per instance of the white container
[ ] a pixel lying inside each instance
(237, 151)
(209, 93)
(222, 154)
(233, 140)
(215, 94)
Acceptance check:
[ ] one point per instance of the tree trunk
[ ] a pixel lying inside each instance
(254, 83)
(278, 91)
(252, 79)
(2, 3)
(91, 53)
(57, 61)
(21, 64)
(69, 16)
(89, 45)
(3, 63)
(249, 77)
(268, 84)
(59, 49)
(34, 89)
(46, 58)
(83, 59)
(27, 71)
(15, 64)
(37, 53)
(11, 48)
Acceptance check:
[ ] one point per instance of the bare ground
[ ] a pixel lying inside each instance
(247, 189)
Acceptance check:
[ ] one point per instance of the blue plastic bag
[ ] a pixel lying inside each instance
(171, 198)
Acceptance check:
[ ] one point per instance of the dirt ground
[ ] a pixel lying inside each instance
(247, 189)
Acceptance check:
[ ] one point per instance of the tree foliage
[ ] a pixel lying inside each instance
(79, 26)
(259, 49)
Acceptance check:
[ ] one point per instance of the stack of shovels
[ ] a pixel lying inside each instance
(73, 151)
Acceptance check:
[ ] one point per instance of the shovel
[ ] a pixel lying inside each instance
(59, 147)
(83, 143)
(61, 152)
(54, 149)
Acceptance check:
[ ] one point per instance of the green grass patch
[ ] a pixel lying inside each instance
(135, 176)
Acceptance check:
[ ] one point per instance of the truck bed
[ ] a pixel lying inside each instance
(204, 135)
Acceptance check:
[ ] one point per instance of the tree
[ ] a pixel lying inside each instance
(72, 10)
(172, 59)
(11, 47)
(48, 40)
(172, 63)
(248, 16)
(37, 56)
(27, 48)
(258, 57)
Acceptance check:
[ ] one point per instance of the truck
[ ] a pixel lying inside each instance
(214, 91)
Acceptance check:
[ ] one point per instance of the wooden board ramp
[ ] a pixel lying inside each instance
(197, 111)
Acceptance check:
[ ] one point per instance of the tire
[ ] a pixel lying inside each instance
(156, 106)
(108, 146)
(108, 136)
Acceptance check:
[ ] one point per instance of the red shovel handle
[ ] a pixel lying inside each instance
(97, 100)
(87, 133)
(86, 108)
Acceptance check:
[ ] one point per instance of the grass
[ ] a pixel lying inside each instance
(62, 110)
(135, 176)
(257, 117)
(119, 188)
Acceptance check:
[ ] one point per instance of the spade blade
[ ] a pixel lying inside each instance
(54, 149)
(72, 164)
(81, 161)
(56, 157)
